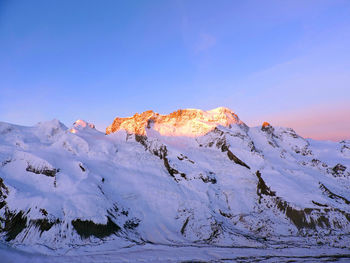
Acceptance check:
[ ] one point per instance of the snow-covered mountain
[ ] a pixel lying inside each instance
(192, 177)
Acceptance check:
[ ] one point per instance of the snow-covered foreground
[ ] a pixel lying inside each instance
(184, 186)
(161, 253)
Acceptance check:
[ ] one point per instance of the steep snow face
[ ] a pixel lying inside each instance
(190, 177)
(188, 122)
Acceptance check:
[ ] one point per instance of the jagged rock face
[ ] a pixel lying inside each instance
(188, 122)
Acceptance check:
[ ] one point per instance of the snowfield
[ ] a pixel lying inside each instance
(161, 253)
(192, 185)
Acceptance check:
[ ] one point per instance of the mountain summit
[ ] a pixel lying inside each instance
(81, 125)
(187, 122)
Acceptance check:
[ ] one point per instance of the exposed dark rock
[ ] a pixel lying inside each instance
(172, 171)
(184, 157)
(266, 127)
(233, 157)
(3, 189)
(141, 139)
(291, 133)
(87, 228)
(216, 228)
(323, 221)
(124, 212)
(43, 212)
(183, 228)
(338, 170)
(316, 203)
(131, 223)
(297, 217)
(113, 212)
(303, 151)
(317, 163)
(44, 224)
(208, 178)
(253, 148)
(2, 204)
(82, 167)
(162, 153)
(225, 214)
(44, 171)
(272, 144)
(332, 195)
(14, 224)
(345, 147)
(220, 142)
(238, 135)
(101, 190)
(307, 218)
(6, 162)
(262, 188)
(217, 131)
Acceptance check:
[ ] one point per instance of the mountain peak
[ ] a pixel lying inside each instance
(81, 124)
(266, 127)
(265, 124)
(183, 122)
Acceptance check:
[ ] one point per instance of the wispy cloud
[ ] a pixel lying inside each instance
(205, 42)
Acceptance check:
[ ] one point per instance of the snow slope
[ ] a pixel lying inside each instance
(183, 179)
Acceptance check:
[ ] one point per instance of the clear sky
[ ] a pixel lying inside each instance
(285, 62)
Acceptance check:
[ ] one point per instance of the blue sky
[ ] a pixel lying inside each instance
(286, 62)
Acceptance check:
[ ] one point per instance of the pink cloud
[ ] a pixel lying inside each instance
(321, 122)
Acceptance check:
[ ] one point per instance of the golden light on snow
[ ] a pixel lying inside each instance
(80, 123)
(187, 123)
(73, 130)
(265, 124)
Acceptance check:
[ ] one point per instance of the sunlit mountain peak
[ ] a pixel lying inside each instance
(183, 122)
(81, 124)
